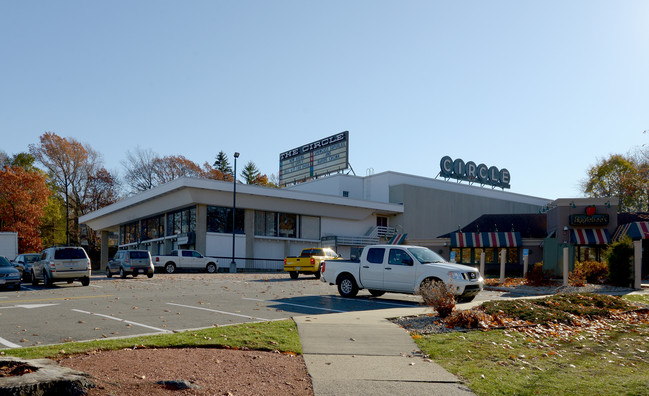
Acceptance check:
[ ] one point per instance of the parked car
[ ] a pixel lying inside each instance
(23, 263)
(185, 260)
(9, 275)
(130, 262)
(62, 264)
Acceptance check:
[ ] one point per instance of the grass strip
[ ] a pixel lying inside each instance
(266, 336)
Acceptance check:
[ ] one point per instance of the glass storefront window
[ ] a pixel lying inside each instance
(219, 219)
(286, 225)
(181, 221)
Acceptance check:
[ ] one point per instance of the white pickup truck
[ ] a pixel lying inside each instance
(186, 260)
(400, 269)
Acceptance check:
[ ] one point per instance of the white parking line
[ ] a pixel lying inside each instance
(8, 344)
(124, 321)
(296, 305)
(217, 311)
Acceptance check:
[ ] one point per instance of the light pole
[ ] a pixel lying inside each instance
(233, 264)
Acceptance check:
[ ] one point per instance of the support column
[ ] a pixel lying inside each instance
(104, 251)
(200, 243)
(637, 264)
(566, 265)
(249, 229)
(503, 260)
(482, 261)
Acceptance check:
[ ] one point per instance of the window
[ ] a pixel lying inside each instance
(265, 223)
(398, 257)
(219, 219)
(181, 221)
(187, 253)
(286, 225)
(152, 228)
(128, 233)
(375, 255)
(346, 194)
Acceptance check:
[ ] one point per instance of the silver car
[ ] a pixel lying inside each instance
(9, 276)
(62, 264)
(130, 262)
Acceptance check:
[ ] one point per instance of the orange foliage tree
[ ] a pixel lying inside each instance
(23, 197)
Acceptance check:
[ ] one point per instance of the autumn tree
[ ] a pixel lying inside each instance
(23, 196)
(616, 177)
(72, 167)
(214, 173)
(139, 169)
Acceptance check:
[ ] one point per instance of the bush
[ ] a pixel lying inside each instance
(437, 295)
(536, 276)
(619, 255)
(592, 271)
(467, 319)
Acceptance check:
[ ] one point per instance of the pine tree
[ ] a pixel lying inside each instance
(222, 164)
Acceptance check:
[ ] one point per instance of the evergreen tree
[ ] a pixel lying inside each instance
(250, 173)
(222, 164)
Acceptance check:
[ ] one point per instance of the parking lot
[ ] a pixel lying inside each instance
(166, 303)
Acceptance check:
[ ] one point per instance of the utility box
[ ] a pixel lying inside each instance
(9, 245)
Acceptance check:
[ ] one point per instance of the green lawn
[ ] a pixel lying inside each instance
(602, 357)
(276, 335)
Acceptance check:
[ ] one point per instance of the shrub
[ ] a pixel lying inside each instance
(536, 276)
(577, 278)
(619, 255)
(437, 295)
(467, 319)
(593, 271)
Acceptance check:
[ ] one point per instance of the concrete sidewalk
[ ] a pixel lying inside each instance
(361, 353)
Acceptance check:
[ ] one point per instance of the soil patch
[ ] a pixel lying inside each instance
(193, 371)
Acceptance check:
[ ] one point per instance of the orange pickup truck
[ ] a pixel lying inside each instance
(308, 262)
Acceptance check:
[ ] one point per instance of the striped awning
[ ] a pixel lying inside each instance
(590, 236)
(398, 239)
(636, 230)
(486, 239)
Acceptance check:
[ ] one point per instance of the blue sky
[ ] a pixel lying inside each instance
(544, 89)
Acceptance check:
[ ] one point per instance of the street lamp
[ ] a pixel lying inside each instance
(233, 264)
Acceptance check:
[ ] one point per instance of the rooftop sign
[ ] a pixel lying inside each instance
(473, 173)
(322, 157)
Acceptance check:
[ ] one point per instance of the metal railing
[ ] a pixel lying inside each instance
(248, 264)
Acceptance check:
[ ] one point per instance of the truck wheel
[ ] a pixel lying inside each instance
(85, 281)
(347, 286)
(211, 268)
(170, 268)
(294, 274)
(108, 274)
(122, 274)
(317, 274)
(149, 275)
(376, 293)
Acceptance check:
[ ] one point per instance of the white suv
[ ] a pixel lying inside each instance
(62, 264)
